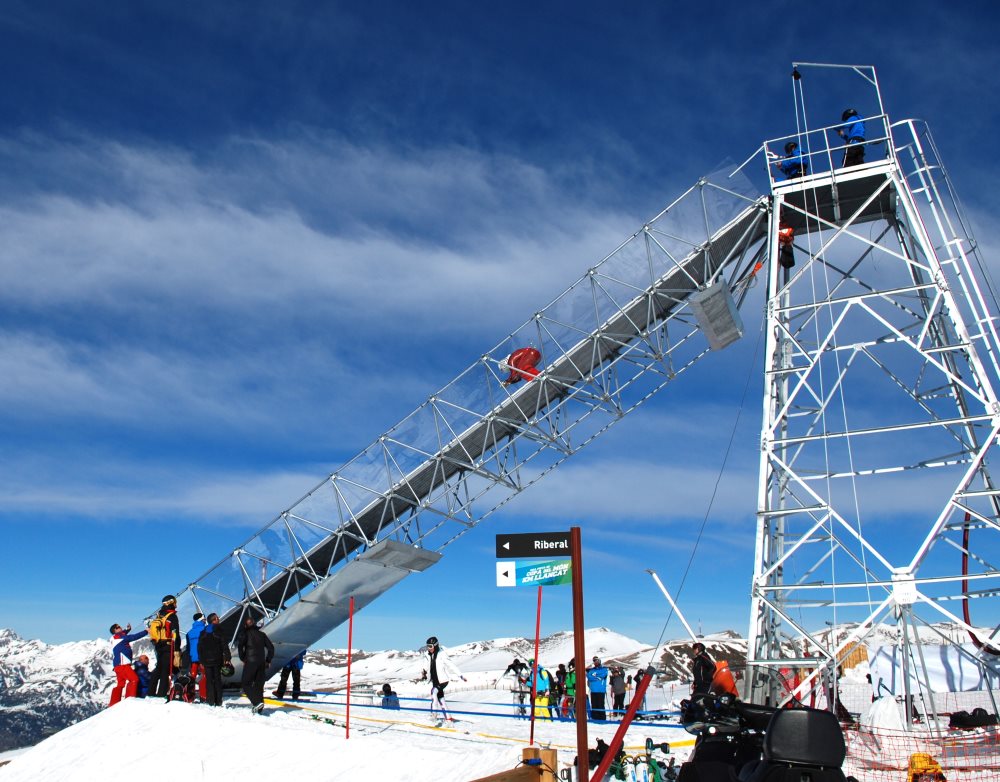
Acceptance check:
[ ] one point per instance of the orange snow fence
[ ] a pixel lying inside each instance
(922, 755)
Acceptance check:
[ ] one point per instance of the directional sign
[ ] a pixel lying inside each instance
(533, 544)
(551, 572)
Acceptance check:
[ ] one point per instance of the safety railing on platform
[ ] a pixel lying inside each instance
(822, 151)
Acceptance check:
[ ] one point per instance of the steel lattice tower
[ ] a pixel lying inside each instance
(877, 501)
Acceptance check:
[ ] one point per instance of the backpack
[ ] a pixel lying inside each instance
(182, 688)
(159, 629)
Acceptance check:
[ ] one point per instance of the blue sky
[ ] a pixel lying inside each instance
(239, 241)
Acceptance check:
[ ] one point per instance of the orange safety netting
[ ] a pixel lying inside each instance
(922, 755)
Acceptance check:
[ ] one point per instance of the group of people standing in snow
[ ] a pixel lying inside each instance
(192, 666)
(556, 691)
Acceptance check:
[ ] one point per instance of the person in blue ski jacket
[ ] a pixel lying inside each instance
(390, 700)
(597, 680)
(197, 628)
(126, 681)
(853, 132)
(141, 667)
(792, 165)
(293, 667)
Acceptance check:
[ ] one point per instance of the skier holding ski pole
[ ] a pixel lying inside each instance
(442, 671)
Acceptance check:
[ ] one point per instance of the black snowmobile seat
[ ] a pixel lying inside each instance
(802, 745)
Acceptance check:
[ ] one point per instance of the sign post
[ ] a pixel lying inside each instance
(579, 653)
(548, 572)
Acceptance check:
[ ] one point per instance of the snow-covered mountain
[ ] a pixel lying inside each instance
(44, 688)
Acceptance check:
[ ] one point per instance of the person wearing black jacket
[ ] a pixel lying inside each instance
(255, 650)
(213, 652)
(168, 652)
(702, 669)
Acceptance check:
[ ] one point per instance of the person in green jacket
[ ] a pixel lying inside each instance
(566, 708)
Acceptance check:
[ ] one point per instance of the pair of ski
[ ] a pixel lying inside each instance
(443, 719)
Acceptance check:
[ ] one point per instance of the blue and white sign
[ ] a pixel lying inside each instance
(548, 572)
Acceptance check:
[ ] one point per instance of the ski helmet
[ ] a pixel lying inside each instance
(227, 669)
(432, 641)
(790, 147)
(848, 113)
(168, 599)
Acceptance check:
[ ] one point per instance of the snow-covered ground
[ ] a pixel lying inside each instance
(309, 739)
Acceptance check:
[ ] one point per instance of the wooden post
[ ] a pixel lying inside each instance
(549, 758)
(579, 653)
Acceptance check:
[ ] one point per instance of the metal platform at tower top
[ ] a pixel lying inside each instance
(632, 324)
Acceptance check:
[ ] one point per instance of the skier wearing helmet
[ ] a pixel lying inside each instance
(853, 132)
(442, 671)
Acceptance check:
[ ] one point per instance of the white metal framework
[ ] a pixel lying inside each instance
(614, 338)
(876, 503)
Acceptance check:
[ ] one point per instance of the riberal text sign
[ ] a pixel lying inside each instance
(533, 544)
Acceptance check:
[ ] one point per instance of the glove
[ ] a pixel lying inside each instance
(177, 659)
(128, 628)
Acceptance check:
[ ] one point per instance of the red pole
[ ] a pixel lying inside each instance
(616, 742)
(350, 643)
(579, 654)
(534, 667)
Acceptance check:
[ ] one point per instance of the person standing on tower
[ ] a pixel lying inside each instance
(442, 671)
(792, 165)
(853, 132)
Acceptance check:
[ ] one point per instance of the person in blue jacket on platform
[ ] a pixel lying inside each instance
(597, 680)
(853, 132)
(792, 165)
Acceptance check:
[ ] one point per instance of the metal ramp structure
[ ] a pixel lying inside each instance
(880, 370)
(609, 342)
(877, 510)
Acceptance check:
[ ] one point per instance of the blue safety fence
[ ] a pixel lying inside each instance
(656, 718)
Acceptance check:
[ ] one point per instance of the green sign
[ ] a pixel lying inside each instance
(536, 572)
